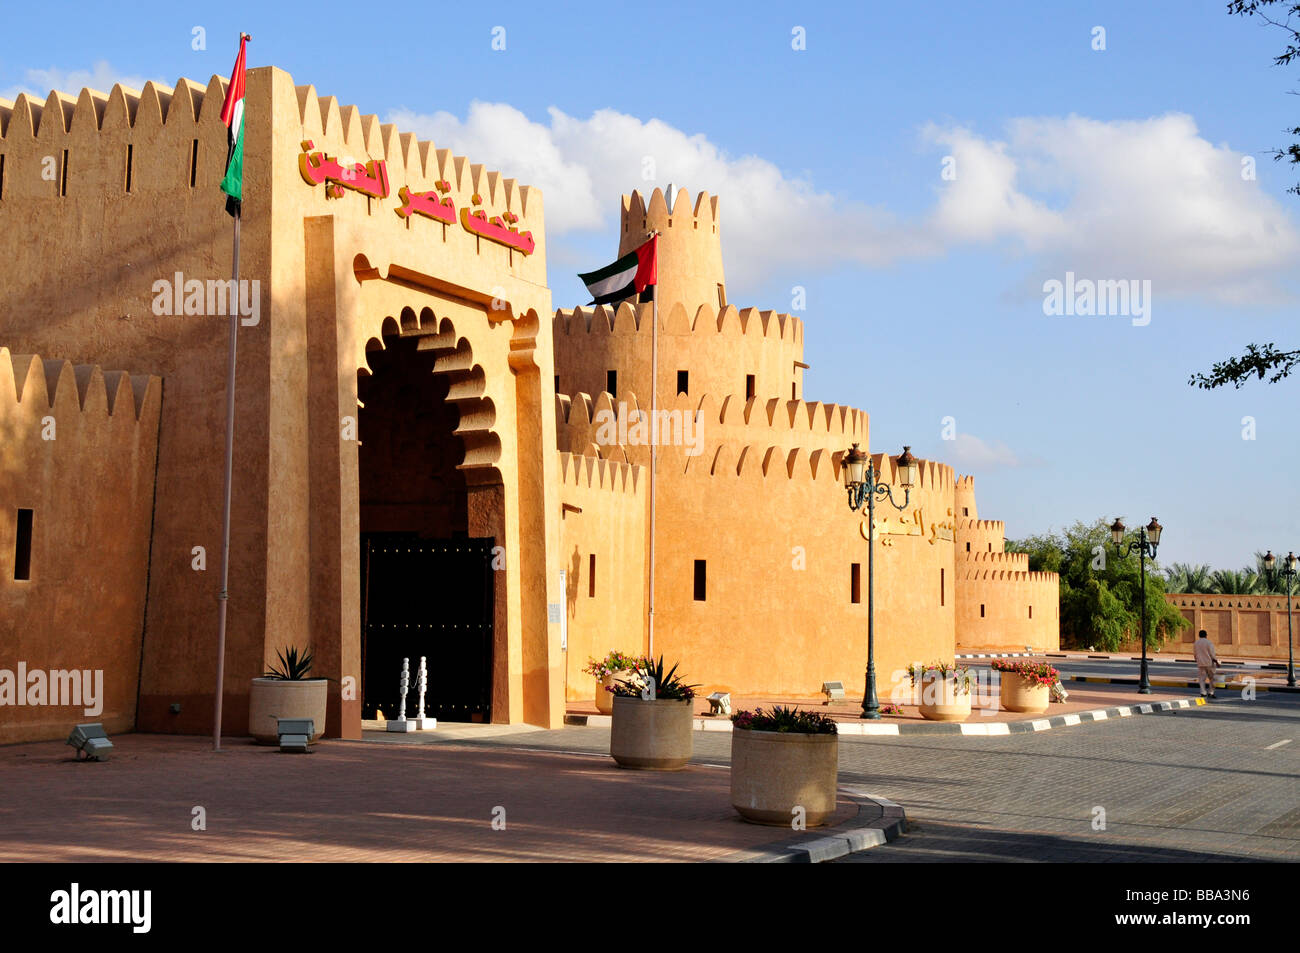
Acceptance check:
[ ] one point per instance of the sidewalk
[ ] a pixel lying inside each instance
(360, 802)
(984, 711)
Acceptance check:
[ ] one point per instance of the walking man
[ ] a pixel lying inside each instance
(1206, 663)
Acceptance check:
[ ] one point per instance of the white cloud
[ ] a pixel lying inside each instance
(583, 165)
(102, 76)
(1145, 199)
(969, 453)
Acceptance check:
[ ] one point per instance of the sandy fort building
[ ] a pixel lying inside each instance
(418, 440)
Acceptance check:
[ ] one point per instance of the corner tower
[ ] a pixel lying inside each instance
(690, 250)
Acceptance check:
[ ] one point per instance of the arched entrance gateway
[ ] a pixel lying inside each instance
(426, 584)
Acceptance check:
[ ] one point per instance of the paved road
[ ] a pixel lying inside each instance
(1129, 668)
(1194, 785)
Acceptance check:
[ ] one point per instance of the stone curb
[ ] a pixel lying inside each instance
(1177, 683)
(1001, 655)
(878, 821)
(1165, 661)
(876, 729)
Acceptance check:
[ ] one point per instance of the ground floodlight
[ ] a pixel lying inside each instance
(91, 742)
(295, 734)
(720, 703)
(834, 691)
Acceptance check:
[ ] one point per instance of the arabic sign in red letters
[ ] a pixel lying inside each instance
(371, 179)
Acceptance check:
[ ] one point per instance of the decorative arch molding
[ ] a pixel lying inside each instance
(467, 385)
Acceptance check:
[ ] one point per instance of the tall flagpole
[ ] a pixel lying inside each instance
(654, 423)
(230, 460)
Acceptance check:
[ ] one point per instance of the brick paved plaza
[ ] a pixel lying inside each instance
(1210, 783)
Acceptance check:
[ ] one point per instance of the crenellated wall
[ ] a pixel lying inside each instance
(605, 505)
(717, 348)
(1239, 626)
(78, 447)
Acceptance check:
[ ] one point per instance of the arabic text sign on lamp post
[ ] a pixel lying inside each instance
(863, 485)
(1145, 545)
(1289, 572)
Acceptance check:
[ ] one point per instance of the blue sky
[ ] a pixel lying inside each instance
(924, 294)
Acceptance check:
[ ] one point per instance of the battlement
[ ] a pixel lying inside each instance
(1011, 575)
(579, 470)
(190, 110)
(632, 319)
(977, 525)
(63, 387)
(1212, 601)
(640, 216)
(998, 560)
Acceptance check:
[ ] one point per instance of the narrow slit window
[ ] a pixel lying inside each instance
(63, 176)
(965, 511)
(793, 394)
(701, 580)
(611, 383)
(1031, 612)
(855, 583)
(194, 163)
(2, 176)
(749, 386)
(990, 547)
(23, 546)
(591, 576)
(981, 610)
(683, 382)
(722, 296)
(942, 592)
(968, 547)
(557, 383)
(130, 149)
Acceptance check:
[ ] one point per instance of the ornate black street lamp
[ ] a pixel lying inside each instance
(863, 485)
(1145, 545)
(1289, 572)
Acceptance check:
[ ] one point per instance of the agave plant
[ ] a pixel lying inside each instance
(668, 685)
(293, 667)
(784, 719)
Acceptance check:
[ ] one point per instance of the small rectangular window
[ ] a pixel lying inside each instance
(611, 383)
(557, 383)
(981, 610)
(722, 296)
(855, 583)
(63, 176)
(23, 547)
(1031, 612)
(965, 511)
(2, 175)
(194, 163)
(793, 394)
(130, 149)
(683, 382)
(700, 580)
(941, 588)
(591, 576)
(749, 386)
(968, 547)
(990, 547)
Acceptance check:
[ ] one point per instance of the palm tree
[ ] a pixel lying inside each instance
(1270, 580)
(1235, 582)
(1186, 577)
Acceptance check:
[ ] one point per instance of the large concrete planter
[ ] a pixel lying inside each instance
(272, 698)
(651, 735)
(604, 700)
(1018, 693)
(773, 772)
(941, 701)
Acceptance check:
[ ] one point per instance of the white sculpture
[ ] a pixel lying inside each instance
(422, 721)
(401, 724)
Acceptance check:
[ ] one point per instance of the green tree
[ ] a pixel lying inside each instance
(1235, 582)
(1101, 591)
(1258, 361)
(1186, 577)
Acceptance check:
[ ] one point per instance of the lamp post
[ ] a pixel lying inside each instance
(1145, 545)
(863, 486)
(1289, 572)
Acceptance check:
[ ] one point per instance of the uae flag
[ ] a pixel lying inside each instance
(232, 114)
(634, 273)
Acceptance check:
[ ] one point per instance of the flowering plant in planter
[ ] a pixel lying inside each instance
(668, 685)
(1036, 673)
(890, 709)
(786, 720)
(959, 675)
(615, 661)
